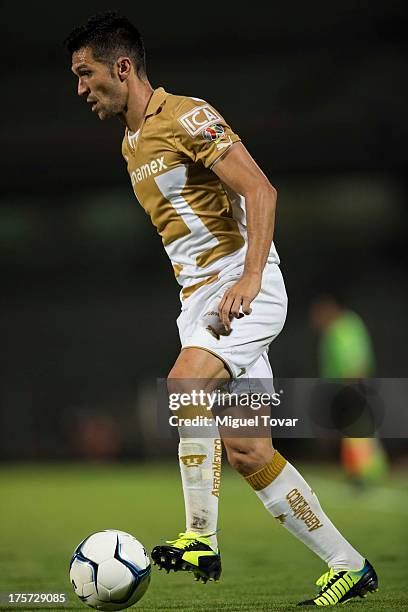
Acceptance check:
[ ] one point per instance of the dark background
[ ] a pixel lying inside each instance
(317, 92)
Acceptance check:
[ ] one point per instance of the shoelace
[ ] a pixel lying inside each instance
(325, 578)
(186, 538)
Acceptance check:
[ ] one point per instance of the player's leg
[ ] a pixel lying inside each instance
(364, 461)
(203, 357)
(288, 497)
(200, 458)
(290, 500)
(196, 549)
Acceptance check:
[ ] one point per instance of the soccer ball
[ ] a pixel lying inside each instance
(110, 570)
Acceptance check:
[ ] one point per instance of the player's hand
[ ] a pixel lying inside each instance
(236, 301)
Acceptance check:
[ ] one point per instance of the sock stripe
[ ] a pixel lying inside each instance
(189, 412)
(263, 477)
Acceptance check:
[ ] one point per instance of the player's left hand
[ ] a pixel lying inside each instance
(236, 301)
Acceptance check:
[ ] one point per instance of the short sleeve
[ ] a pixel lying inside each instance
(200, 132)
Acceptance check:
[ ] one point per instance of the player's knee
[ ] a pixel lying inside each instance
(186, 377)
(176, 382)
(178, 372)
(182, 382)
(184, 373)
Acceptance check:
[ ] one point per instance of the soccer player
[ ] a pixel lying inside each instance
(214, 209)
(346, 351)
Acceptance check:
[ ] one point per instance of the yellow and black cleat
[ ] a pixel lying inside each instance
(190, 552)
(340, 587)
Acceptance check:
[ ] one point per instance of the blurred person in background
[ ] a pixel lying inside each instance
(346, 351)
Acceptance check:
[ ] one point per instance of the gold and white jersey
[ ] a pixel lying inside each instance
(201, 220)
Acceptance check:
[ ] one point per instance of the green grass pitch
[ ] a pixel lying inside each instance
(46, 510)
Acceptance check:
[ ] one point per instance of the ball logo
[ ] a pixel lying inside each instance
(213, 133)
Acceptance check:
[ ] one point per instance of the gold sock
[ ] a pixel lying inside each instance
(193, 410)
(263, 477)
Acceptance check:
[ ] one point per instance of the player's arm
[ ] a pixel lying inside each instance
(240, 172)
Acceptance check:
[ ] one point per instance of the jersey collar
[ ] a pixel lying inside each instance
(156, 101)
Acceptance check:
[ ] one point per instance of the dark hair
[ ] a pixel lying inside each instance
(109, 35)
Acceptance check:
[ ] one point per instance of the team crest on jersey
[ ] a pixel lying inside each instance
(214, 132)
(199, 118)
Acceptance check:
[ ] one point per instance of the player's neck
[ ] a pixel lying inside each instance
(140, 93)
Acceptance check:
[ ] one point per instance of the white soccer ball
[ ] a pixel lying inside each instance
(110, 570)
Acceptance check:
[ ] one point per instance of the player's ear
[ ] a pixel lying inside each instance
(124, 67)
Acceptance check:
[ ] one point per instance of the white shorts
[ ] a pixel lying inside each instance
(245, 350)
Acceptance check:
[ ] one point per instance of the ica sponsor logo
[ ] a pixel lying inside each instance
(197, 119)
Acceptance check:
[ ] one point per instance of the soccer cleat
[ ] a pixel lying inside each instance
(190, 552)
(339, 587)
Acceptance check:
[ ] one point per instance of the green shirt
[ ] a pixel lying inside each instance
(345, 349)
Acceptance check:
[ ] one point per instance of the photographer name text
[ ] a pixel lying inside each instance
(233, 422)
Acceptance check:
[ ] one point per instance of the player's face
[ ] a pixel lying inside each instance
(322, 314)
(99, 84)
